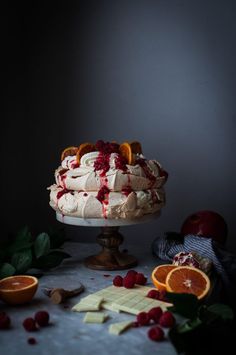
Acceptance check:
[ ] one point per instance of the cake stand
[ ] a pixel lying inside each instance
(110, 257)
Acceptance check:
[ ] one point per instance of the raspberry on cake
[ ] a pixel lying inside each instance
(107, 180)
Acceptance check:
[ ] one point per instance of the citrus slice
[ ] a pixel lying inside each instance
(69, 151)
(18, 289)
(136, 147)
(159, 275)
(187, 279)
(84, 148)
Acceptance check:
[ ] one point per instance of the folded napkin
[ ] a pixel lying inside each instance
(224, 263)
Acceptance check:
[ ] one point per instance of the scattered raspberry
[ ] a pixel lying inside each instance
(167, 320)
(140, 279)
(32, 341)
(156, 333)
(129, 281)
(5, 321)
(162, 296)
(42, 318)
(29, 324)
(143, 318)
(131, 273)
(153, 294)
(155, 314)
(118, 281)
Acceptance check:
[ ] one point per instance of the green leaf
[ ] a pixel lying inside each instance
(22, 261)
(184, 304)
(189, 325)
(50, 260)
(23, 240)
(42, 245)
(221, 310)
(6, 270)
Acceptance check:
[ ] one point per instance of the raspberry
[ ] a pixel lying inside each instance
(167, 320)
(29, 324)
(32, 341)
(129, 281)
(156, 333)
(155, 314)
(153, 294)
(143, 318)
(118, 281)
(132, 273)
(162, 296)
(140, 279)
(42, 318)
(5, 321)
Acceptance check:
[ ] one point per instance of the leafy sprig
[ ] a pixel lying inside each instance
(197, 332)
(24, 252)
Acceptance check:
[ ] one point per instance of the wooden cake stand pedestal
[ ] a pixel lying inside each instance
(110, 257)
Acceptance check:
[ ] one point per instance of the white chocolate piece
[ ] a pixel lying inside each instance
(89, 303)
(118, 328)
(95, 317)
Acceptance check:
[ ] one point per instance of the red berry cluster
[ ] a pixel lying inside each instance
(130, 279)
(102, 193)
(156, 316)
(157, 295)
(41, 318)
(107, 147)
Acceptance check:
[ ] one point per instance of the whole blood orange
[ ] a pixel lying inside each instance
(18, 289)
(159, 275)
(69, 151)
(187, 279)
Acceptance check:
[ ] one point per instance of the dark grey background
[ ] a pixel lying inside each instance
(161, 72)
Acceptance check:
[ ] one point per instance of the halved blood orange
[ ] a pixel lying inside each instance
(159, 275)
(187, 279)
(69, 151)
(84, 148)
(18, 289)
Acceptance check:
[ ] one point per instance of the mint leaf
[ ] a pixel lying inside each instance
(6, 270)
(23, 240)
(41, 245)
(184, 304)
(24, 235)
(221, 310)
(50, 260)
(22, 261)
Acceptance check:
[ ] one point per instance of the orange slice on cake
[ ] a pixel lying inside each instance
(128, 150)
(186, 279)
(159, 275)
(18, 289)
(69, 151)
(84, 148)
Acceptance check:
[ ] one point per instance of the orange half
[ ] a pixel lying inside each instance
(84, 148)
(69, 151)
(159, 275)
(186, 279)
(18, 289)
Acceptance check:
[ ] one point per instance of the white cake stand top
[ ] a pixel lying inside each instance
(102, 222)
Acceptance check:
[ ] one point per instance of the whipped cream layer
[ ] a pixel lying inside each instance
(84, 177)
(116, 205)
(102, 186)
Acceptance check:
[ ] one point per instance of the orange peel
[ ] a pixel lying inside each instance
(69, 151)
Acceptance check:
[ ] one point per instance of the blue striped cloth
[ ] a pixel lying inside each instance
(167, 246)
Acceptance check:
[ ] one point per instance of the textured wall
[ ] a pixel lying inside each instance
(162, 72)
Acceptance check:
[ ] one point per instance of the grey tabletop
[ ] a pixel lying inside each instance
(67, 333)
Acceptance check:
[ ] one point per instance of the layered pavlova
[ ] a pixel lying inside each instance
(107, 180)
